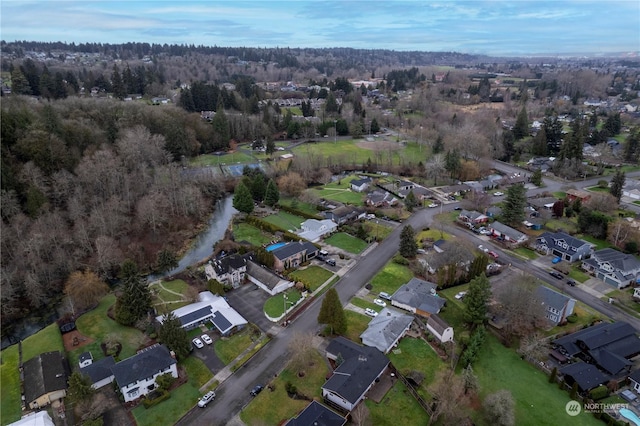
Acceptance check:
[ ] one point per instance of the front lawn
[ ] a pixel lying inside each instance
(433, 235)
(273, 405)
(390, 278)
(245, 232)
(537, 401)
(312, 276)
(229, 348)
(397, 407)
(356, 325)
(526, 253)
(578, 274)
(347, 242)
(285, 221)
(600, 244)
(274, 306)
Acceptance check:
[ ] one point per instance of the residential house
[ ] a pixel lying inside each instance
(447, 253)
(293, 255)
(355, 375)
(587, 376)
(99, 372)
(557, 306)
(317, 414)
(266, 279)
(515, 179)
(440, 329)
(422, 194)
(494, 211)
(344, 214)
(607, 346)
(313, 229)
(636, 293)
(575, 194)
(85, 359)
(613, 267)
(564, 246)
(386, 329)
(360, 185)
(45, 379)
(209, 308)
(159, 101)
(136, 376)
(418, 297)
(39, 418)
(631, 189)
(380, 199)
(473, 217)
(506, 233)
(229, 270)
(542, 203)
(404, 185)
(455, 190)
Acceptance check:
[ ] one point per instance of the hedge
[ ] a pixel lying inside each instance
(148, 403)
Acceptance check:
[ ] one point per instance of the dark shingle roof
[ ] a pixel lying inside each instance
(550, 238)
(419, 294)
(291, 249)
(99, 370)
(265, 276)
(196, 315)
(586, 375)
(144, 364)
(43, 374)
(551, 298)
(316, 414)
(361, 366)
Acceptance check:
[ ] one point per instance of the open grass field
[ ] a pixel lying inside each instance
(397, 407)
(390, 278)
(537, 401)
(228, 348)
(46, 340)
(245, 232)
(285, 221)
(215, 160)
(300, 205)
(313, 276)
(273, 407)
(342, 194)
(347, 242)
(97, 325)
(433, 235)
(356, 325)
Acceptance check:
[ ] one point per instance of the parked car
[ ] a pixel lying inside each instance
(384, 295)
(483, 248)
(493, 254)
(498, 194)
(206, 398)
(380, 302)
(205, 338)
(457, 208)
(432, 205)
(460, 295)
(256, 390)
(371, 312)
(556, 260)
(198, 343)
(556, 274)
(330, 262)
(571, 282)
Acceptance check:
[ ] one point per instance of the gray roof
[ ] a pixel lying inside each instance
(44, 373)
(293, 248)
(145, 363)
(507, 230)
(361, 366)
(471, 214)
(420, 295)
(437, 323)
(551, 239)
(264, 275)
(552, 298)
(385, 329)
(229, 263)
(360, 182)
(99, 370)
(620, 261)
(316, 414)
(541, 202)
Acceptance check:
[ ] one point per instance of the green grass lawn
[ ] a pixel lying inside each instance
(97, 325)
(46, 340)
(182, 398)
(245, 232)
(347, 242)
(342, 195)
(526, 253)
(597, 189)
(390, 278)
(569, 226)
(537, 401)
(397, 407)
(560, 194)
(300, 205)
(274, 306)
(228, 348)
(578, 274)
(164, 292)
(434, 235)
(600, 244)
(313, 276)
(215, 160)
(285, 221)
(377, 230)
(356, 325)
(416, 355)
(364, 304)
(273, 407)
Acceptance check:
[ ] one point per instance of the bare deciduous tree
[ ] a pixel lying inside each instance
(448, 395)
(302, 350)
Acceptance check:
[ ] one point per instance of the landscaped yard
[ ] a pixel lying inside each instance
(578, 274)
(285, 221)
(341, 194)
(537, 401)
(397, 407)
(46, 340)
(299, 205)
(599, 244)
(433, 235)
(228, 348)
(274, 306)
(567, 225)
(356, 325)
(390, 278)
(272, 407)
(346, 242)
(245, 232)
(416, 355)
(313, 276)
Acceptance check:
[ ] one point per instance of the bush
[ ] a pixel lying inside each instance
(598, 393)
(290, 388)
(573, 318)
(148, 403)
(400, 260)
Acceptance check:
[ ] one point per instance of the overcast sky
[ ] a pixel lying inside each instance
(492, 27)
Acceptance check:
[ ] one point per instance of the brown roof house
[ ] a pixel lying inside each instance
(45, 379)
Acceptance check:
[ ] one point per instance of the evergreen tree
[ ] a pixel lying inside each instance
(271, 147)
(221, 130)
(166, 261)
(242, 199)
(475, 301)
(375, 127)
(331, 105)
(80, 388)
(135, 301)
(553, 132)
(272, 195)
(19, 83)
(452, 163)
(438, 145)
(539, 145)
(174, 336)
(408, 245)
(617, 183)
(536, 177)
(514, 204)
(632, 147)
(332, 313)
(521, 129)
(477, 267)
(410, 202)
(119, 91)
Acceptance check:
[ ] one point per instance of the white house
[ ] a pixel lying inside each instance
(136, 376)
(39, 418)
(634, 380)
(266, 279)
(229, 270)
(360, 185)
(440, 329)
(313, 229)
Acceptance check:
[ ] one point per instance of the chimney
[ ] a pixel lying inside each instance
(173, 354)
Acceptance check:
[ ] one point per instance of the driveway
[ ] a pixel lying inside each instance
(208, 356)
(249, 300)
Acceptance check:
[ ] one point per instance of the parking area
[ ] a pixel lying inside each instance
(248, 300)
(208, 356)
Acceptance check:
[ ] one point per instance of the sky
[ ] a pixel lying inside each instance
(491, 27)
